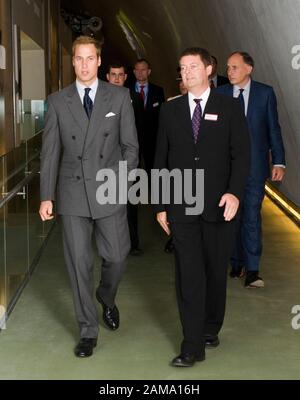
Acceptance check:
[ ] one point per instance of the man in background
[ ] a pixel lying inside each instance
(258, 102)
(216, 80)
(152, 97)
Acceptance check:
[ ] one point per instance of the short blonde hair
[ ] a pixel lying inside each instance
(87, 40)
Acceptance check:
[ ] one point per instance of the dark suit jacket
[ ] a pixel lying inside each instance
(75, 148)
(222, 80)
(147, 132)
(222, 151)
(264, 129)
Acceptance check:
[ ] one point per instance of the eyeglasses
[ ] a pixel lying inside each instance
(192, 67)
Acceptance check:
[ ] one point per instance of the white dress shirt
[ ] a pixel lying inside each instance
(204, 97)
(92, 93)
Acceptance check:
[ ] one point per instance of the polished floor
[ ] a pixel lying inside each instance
(257, 340)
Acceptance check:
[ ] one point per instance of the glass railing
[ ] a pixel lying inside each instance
(22, 233)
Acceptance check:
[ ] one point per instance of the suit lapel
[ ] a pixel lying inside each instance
(251, 101)
(76, 108)
(100, 109)
(149, 97)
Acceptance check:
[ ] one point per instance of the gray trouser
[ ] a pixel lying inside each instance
(113, 243)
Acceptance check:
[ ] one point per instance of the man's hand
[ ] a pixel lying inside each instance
(277, 173)
(162, 220)
(46, 209)
(231, 204)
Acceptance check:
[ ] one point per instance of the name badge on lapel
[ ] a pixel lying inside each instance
(211, 117)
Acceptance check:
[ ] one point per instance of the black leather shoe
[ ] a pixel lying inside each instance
(111, 316)
(169, 247)
(135, 251)
(186, 360)
(211, 341)
(85, 347)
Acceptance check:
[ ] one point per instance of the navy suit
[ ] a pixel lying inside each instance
(265, 136)
(149, 116)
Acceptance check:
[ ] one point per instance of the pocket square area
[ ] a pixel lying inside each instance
(110, 114)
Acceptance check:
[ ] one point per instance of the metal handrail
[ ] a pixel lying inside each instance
(19, 169)
(14, 192)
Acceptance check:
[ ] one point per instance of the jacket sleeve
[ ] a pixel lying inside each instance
(161, 154)
(128, 135)
(276, 143)
(50, 154)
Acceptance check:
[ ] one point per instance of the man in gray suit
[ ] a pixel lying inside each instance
(89, 126)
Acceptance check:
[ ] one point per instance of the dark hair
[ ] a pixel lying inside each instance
(246, 57)
(116, 64)
(198, 51)
(143, 60)
(215, 59)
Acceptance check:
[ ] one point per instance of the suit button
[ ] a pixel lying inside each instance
(105, 135)
(101, 156)
(78, 178)
(74, 137)
(197, 158)
(79, 158)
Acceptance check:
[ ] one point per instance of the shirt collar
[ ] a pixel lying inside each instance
(93, 86)
(140, 84)
(204, 96)
(236, 88)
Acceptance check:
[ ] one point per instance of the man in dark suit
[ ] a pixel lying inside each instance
(152, 97)
(216, 80)
(202, 130)
(260, 106)
(89, 126)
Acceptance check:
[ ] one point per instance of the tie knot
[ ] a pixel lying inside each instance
(197, 101)
(87, 90)
(241, 91)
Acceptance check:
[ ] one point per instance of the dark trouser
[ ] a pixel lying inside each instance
(202, 251)
(248, 243)
(132, 215)
(112, 240)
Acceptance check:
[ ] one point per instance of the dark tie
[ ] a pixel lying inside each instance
(196, 120)
(87, 103)
(241, 99)
(142, 93)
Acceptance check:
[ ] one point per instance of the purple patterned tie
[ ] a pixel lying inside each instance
(196, 120)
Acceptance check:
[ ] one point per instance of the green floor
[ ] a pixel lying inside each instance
(257, 340)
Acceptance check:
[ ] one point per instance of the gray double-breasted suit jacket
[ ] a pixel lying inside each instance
(75, 148)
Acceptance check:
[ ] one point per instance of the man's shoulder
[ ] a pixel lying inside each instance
(223, 96)
(259, 86)
(155, 87)
(114, 89)
(227, 89)
(60, 94)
